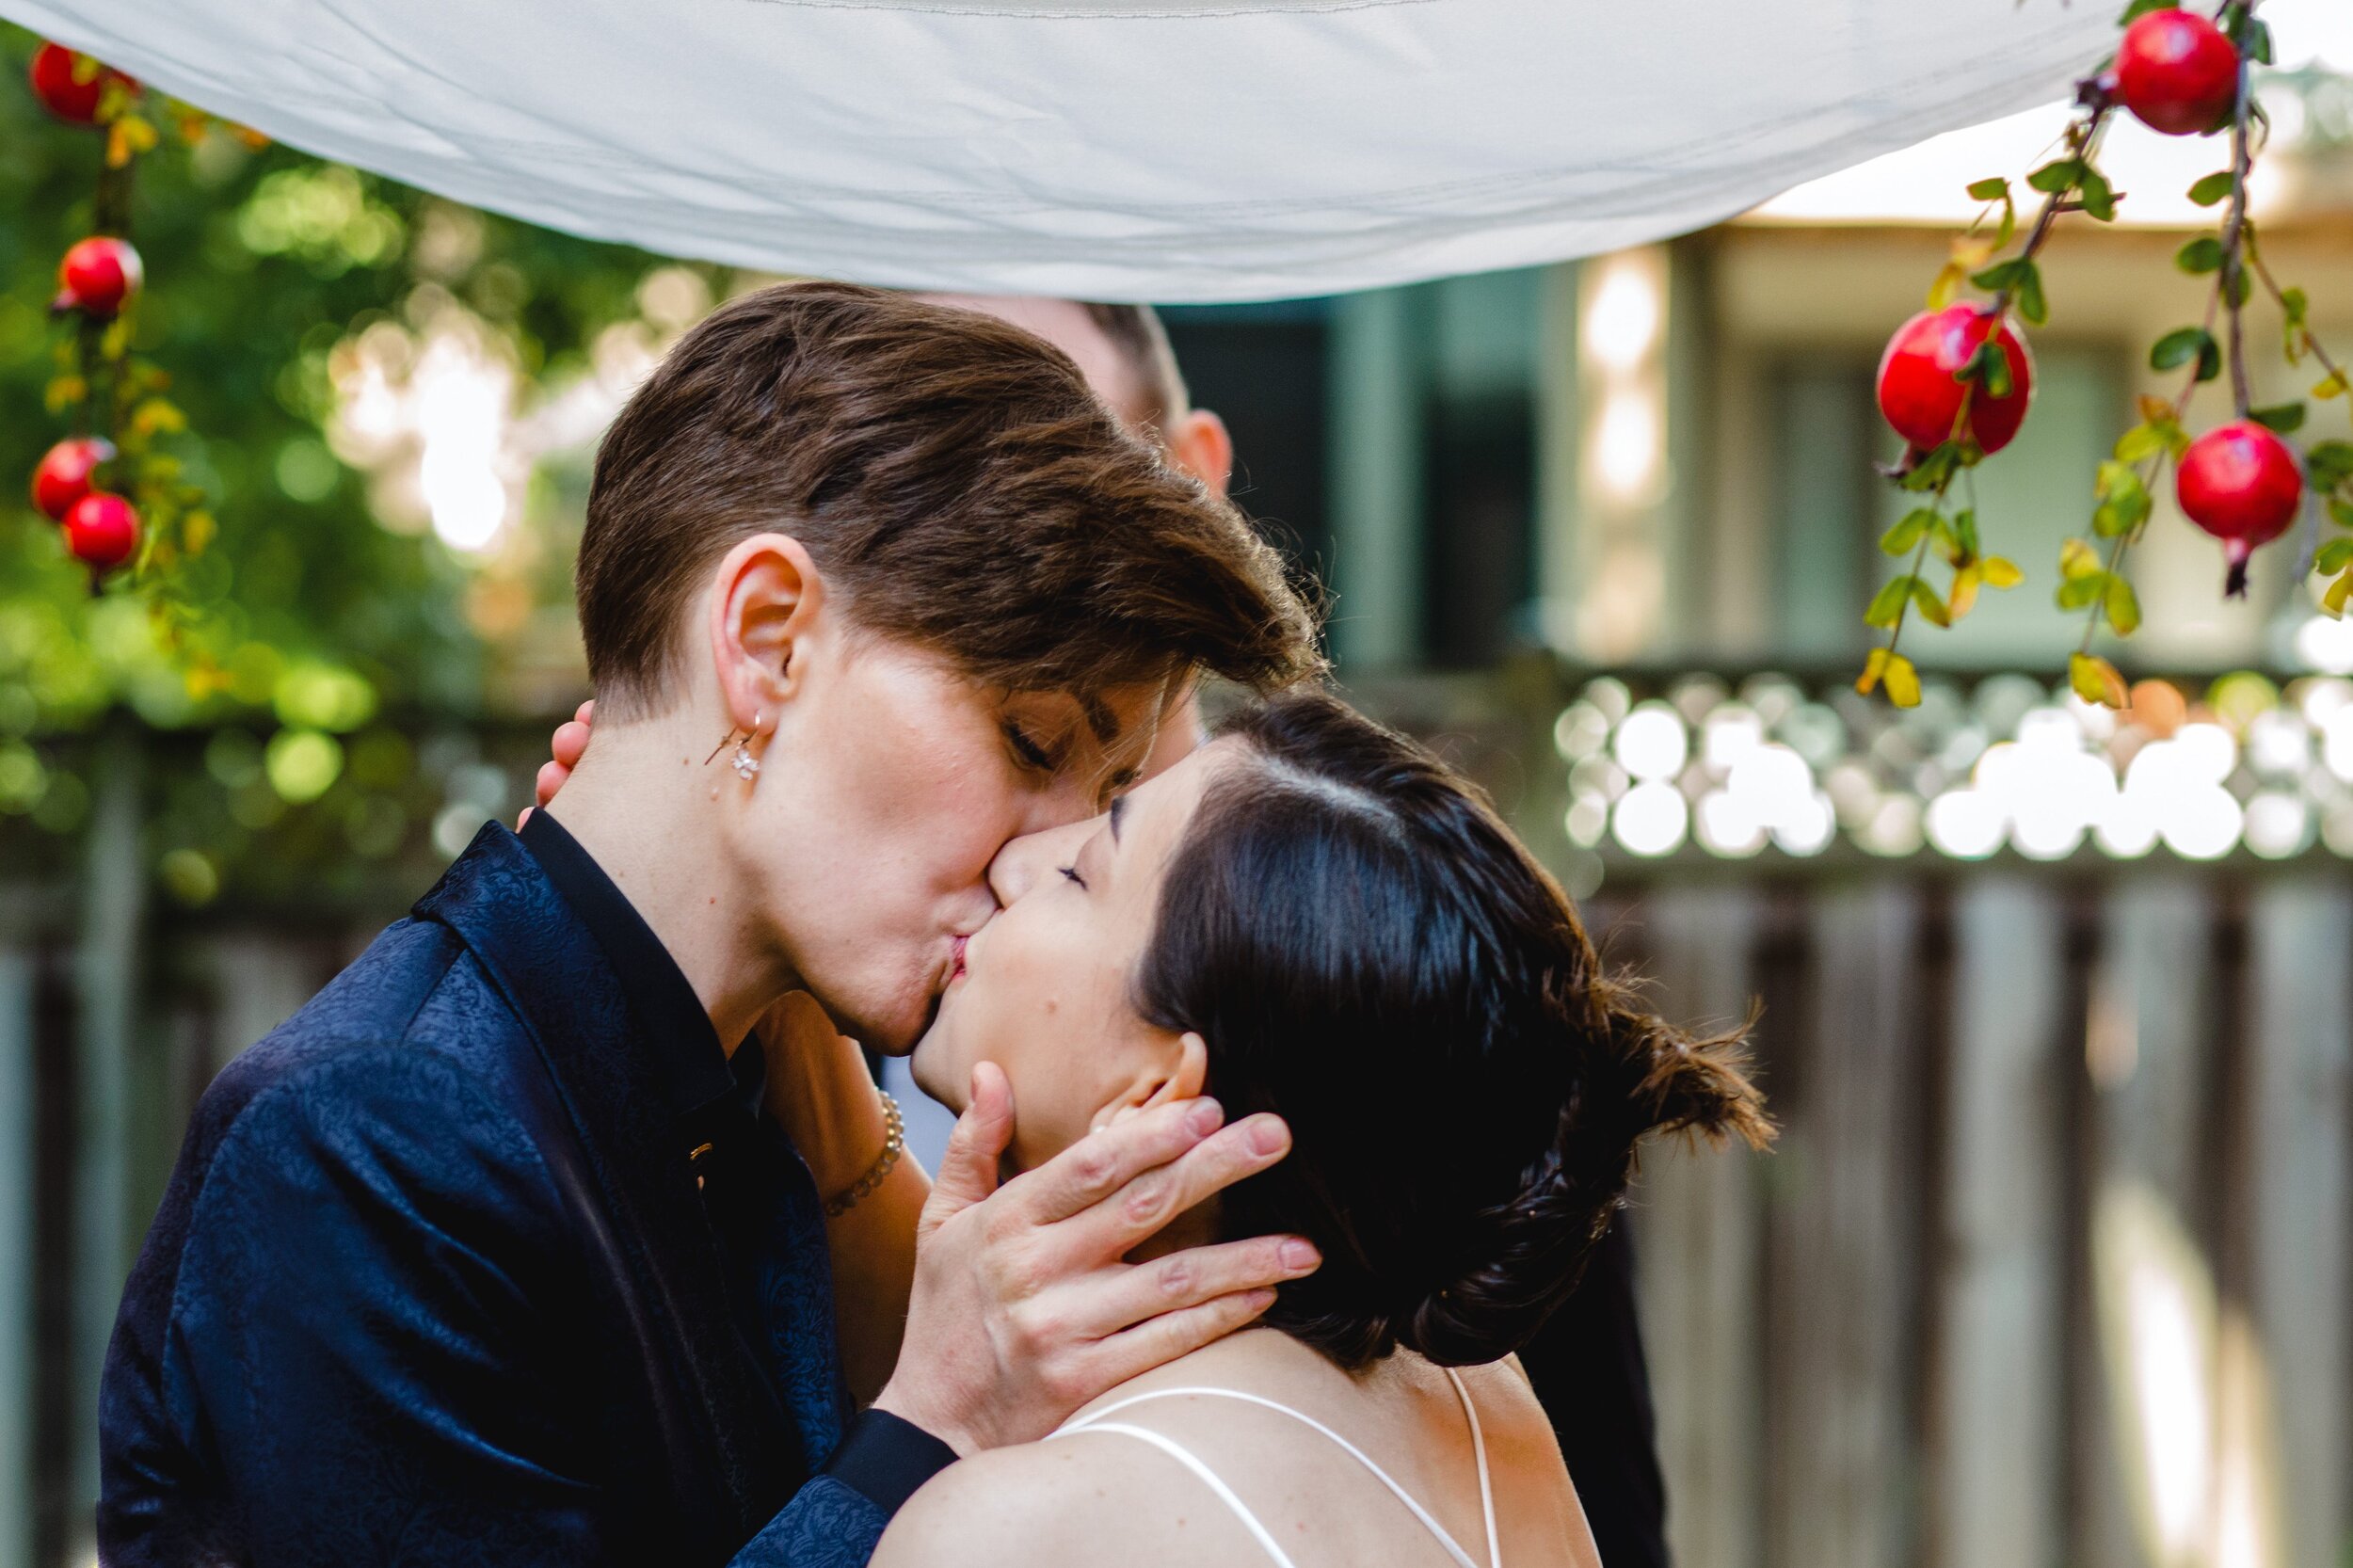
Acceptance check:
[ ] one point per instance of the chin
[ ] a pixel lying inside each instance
(926, 1065)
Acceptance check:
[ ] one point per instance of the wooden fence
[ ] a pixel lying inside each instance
(2051, 1269)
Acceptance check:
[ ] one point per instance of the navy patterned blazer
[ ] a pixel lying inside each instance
(485, 1257)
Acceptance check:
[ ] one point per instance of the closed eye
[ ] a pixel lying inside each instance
(1072, 873)
(1028, 752)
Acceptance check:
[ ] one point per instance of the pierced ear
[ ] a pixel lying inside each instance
(1182, 1079)
(767, 599)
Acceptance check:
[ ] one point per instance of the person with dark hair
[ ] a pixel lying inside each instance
(1315, 918)
(1312, 917)
(487, 1254)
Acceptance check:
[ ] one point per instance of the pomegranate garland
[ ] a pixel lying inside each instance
(114, 494)
(1958, 379)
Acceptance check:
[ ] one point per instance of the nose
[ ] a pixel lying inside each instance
(1026, 861)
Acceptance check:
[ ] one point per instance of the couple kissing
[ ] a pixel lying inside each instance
(566, 1226)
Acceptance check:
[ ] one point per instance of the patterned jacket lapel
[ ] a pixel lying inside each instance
(562, 988)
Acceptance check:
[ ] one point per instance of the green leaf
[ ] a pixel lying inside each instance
(2030, 301)
(2329, 464)
(2201, 255)
(2211, 189)
(2140, 9)
(2099, 197)
(2341, 513)
(1989, 367)
(2057, 175)
(2182, 344)
(2139, 444)
(1887, 605)
(1964, 524)
(1907, 533)
(2258, 44)
(2334, 558)
(2295, 303)
(1993, 190)
(2286, 418)
(2121, 606)
(2080, 590)
(1934, 471)
(1930, 607)
(2125, 503)
(2237, 289)
(2001, 274)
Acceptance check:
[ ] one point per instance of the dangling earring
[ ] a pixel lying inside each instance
(744, 763)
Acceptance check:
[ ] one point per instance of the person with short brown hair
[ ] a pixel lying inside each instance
(488, 1252)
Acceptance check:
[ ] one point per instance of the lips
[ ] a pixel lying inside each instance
(956, 970)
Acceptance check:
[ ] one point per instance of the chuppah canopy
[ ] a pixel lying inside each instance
(1166, 150)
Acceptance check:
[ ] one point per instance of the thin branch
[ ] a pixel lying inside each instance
(2312, 345)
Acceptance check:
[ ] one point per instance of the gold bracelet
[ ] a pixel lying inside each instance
(894, 1145)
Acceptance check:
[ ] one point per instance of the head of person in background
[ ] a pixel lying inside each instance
(1123, 353)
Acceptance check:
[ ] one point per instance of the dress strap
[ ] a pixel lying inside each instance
(1187, 1458)
(1479, 1450)
(1092, 1423)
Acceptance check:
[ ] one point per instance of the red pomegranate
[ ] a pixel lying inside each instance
(98, 276)
(76, 103)
(63, 477)
(2178, 73)
(102, 531)
(2242, 484)
(1919, 391)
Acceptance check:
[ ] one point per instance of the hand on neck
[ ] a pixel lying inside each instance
(641, 804)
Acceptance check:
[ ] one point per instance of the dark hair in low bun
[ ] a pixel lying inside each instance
(1370, 952)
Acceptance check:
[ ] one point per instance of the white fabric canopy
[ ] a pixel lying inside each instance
(1166, 150)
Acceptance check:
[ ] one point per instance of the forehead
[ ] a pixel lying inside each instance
(1159, 809)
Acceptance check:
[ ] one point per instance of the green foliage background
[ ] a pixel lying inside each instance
(349, 655)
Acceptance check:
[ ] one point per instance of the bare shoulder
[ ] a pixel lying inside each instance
(1507, 1408)
(1035, 1506)
(1521, 1444)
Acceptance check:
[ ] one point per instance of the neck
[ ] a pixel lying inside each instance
(640, 805)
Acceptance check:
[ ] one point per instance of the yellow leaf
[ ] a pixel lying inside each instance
(1903, 681)
(155, 415)
(1970, 255)
(2096, 681)
(1964, 594)
(2001, 572)
(1946, 287)
(2339, 591)
(1873, 667)
(2077, 558)
(2156, 411)
(2333, 386)
(198, 531)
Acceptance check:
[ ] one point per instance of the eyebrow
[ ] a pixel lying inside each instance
(1119, 808)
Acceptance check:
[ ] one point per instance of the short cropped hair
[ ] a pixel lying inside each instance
(955, 480)
(1135, 331)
